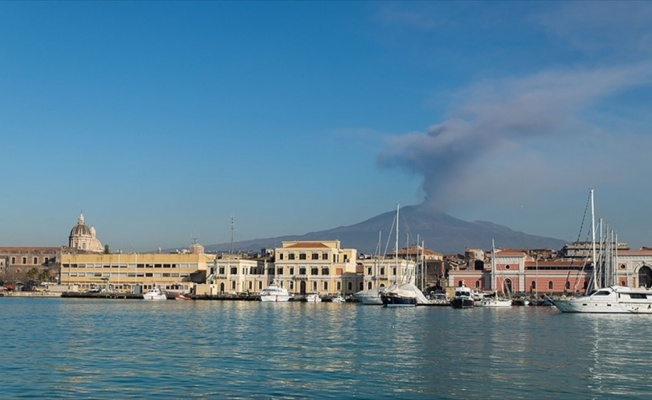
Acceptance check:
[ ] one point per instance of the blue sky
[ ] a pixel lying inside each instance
(161, 121)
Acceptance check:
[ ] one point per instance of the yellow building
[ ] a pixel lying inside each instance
(134, 271)
(316, 267)
(383, 272)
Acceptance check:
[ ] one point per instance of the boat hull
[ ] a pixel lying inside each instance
(495, 303)
(397, 301)
(275, 298)
(462, 303)
(610, 300)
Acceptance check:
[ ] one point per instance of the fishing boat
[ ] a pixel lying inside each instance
(274, 293)
(155, 294)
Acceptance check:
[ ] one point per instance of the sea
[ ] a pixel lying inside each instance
(106, 349)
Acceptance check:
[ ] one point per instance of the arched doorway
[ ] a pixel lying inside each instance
(222, 287)
(645, 276)
(302, 287)
(507, 286)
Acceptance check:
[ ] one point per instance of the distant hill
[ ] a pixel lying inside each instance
(438, 230)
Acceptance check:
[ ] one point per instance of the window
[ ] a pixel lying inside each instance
(339, 286)
(292, 271)
(325, 271)
(302, 256)
(567, 286)
(369, 271)
(314, 286)
(394, 271)
(315, 256)
(302, 270)
(280, 256)
(221, 270)
(326, 286)
(24, 260)
(291, 256)
(35, 260)
(533, 285)
(13, 260)
(382, 270)
(314, 271)
(234, 270)
(232, 285)
(550, 285)
(507, 267)
(350, 286)
(477, 284)
(324, 256)
(280, 271)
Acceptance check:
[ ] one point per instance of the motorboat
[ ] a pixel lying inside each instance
(612, 299)
(463, 298)
(338, 299)
(181, 297)
(155, 294)
(274, 293)
(313, 298)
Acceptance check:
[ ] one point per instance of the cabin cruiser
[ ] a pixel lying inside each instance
(274, 293)
(463, 298)
(313, 298)
(612, 299)
(155, 294)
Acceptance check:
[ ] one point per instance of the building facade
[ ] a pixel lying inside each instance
(20, 265)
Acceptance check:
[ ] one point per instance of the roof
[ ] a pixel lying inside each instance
(306, 245)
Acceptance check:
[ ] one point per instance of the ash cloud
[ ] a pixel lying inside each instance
(516, 119)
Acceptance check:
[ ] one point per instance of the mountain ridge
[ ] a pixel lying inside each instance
(439, 231)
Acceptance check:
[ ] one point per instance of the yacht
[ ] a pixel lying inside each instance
(370, 296)
(155, 294)
(313, 298)
(463, 298)
(612, 299)
(274, 293)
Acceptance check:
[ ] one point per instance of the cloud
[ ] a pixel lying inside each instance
(507, 129)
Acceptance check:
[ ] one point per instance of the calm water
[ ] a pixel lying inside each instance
(63, 348)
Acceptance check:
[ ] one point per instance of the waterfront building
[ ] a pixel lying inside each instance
(135, 272)
(20, 265)
(234, 273)
(516, 271)
(321, 267)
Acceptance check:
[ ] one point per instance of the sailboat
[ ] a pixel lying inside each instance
(399, 295)
(494, 301)
(609, 298)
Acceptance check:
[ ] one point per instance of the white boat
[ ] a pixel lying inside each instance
(463, 298)
(313, 298)
(155, 294)
(338, 299)
(613, 299)
(274, 293)
(493, 300)
(370, 296)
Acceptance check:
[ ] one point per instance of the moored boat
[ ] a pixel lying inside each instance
(155, 294)
(398, 297)
(463, 298)
(613, 299)
(274, 293)
(313, 298)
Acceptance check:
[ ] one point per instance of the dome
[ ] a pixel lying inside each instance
(80, 230)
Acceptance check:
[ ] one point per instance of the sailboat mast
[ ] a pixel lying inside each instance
(396, 247)
(593, 255)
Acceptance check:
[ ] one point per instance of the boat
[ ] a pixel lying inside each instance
(338, 299)
(463, 298)
(605, 296)
(612, 299)
(155, 294)
(274, 293)
(494, 300)
(370, 296)
(439, 299)
(181, 297)
(313, 298)
(398, 296)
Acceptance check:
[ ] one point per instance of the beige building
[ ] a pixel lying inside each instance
(316, 267)
(19, 265)
(383, 272)
(135, 271)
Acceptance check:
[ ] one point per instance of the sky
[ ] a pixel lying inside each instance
(163, 122)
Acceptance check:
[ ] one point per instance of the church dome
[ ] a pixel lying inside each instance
(80, 229)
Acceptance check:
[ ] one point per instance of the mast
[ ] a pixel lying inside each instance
(493, 267)
(593, 256)
(396, 248)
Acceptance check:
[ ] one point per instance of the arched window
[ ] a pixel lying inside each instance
(550, 285)
(533, 284)
(477, 284)
(567, 286)
(460, 283)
